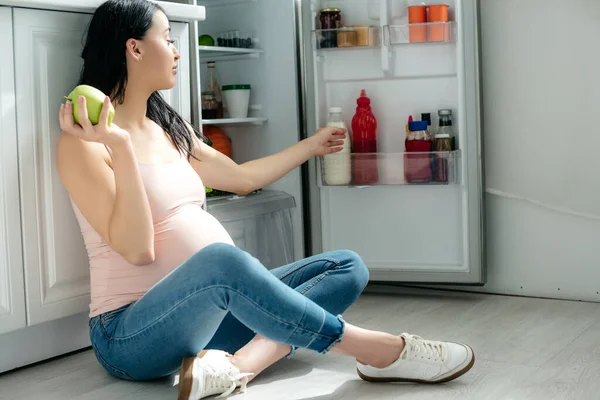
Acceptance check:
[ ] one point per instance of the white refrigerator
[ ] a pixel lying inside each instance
(425, 232)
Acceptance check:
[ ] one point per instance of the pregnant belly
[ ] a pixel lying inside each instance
(185, 232)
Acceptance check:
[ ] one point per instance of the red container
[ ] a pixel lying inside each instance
(417, 167)
(364, 143)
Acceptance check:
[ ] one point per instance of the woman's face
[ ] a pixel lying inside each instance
(154, 59)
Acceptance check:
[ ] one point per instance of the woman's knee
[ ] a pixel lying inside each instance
(358, 270)
(222, 258)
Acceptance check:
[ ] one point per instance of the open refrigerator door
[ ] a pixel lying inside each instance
(413, 216)
(408, 197)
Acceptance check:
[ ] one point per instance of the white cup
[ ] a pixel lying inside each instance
(237, 100)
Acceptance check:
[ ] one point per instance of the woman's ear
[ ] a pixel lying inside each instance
(133, 50)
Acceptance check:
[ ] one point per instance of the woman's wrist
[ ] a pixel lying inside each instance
(310, 145)
(122, 149)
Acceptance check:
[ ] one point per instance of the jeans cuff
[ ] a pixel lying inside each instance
(339, 338)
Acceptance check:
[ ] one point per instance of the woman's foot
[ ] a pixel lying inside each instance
(209, 374)
(423, 361)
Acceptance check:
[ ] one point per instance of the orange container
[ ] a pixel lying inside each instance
(438, 31)
(417, 15)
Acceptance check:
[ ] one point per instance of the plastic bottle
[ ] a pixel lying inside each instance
(337, 168)
(364, 140)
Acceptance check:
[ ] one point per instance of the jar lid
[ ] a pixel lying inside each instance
(236, 87)
(335, 110)
(442, 136)
(445, 112)
(331, 10)
(417, 126)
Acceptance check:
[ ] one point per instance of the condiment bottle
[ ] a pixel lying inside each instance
(364, 141)
(337, 166)
(213, 86)
(417, 167)
(442, 147)
(445, 125)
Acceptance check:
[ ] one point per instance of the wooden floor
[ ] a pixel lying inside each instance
(526, 349)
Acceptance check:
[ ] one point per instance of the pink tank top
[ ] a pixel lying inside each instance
(181, 228)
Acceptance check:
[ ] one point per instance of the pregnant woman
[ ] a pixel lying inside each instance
(170, 291)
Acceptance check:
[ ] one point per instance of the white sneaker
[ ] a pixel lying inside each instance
(423, 361)
(208, 374)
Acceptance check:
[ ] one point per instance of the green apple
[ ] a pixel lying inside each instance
(94, 101)
(206, 40)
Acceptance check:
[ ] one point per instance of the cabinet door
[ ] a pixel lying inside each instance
(12, 288)
(47, 58)
(179, 97)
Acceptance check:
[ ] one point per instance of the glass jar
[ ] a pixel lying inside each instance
(210, 106)
(445, 122)
(330, 19)
(442, 147)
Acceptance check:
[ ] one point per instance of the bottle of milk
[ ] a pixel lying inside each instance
(337, 168)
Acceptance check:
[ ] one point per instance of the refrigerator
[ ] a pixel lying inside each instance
(429, 231)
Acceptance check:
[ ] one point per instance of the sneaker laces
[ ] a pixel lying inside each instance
(420, 349)
(223, 378)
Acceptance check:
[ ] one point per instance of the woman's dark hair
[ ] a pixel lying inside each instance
(105, 65)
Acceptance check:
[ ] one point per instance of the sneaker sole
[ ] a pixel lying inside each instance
(452, 377)
(186, 377)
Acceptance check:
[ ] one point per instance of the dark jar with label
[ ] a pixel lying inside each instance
(330, 19)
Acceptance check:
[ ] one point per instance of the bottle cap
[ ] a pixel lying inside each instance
(417, 126)
(444, 112)
(363, 100)
(335, 110)
(442, 136)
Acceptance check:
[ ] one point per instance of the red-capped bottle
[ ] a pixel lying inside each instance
(364, 142)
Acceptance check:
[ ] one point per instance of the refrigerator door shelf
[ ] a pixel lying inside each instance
(422, 33)
(410, 169)
(356, 37)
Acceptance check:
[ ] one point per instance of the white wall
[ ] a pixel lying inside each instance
(541, 91)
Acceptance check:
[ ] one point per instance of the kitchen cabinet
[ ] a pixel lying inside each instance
(47, 64)
(12, 289)
(44, 272)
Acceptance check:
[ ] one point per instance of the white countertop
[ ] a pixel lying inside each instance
(176, 12)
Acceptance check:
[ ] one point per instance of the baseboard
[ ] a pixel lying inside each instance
(44, 341)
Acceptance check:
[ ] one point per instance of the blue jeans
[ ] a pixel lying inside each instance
(219, 299)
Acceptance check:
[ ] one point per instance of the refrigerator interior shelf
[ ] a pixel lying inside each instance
(216, 53)
(223, 3)
(422, 33)
(347, 38)
(431, 168)
(235, 121)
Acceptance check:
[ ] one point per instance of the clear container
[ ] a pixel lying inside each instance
(347, 37)
(337, 167)
(235, 38)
